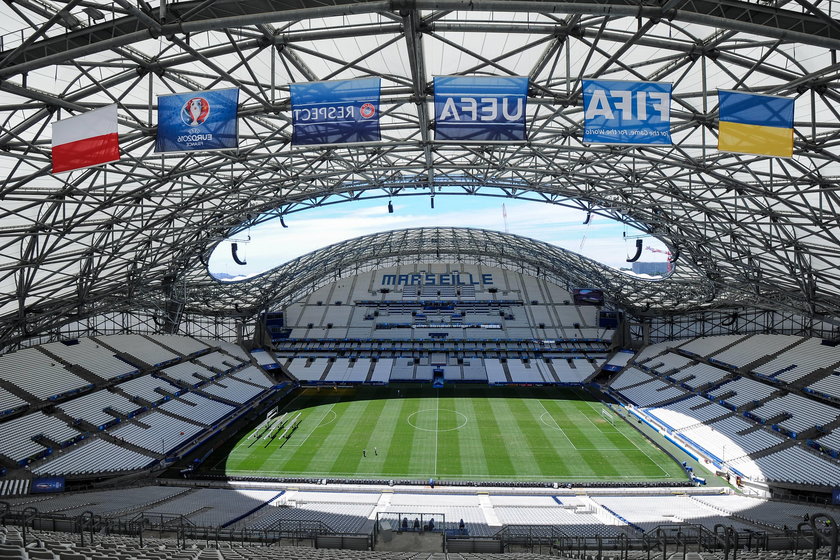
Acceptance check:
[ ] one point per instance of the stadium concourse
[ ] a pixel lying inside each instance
(427, 392)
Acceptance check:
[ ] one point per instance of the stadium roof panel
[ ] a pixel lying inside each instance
(127, 234)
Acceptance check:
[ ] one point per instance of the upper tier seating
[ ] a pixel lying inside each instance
(92, 356)
(185, 345)
(705, 346)
(807, 357)
(139, 348)
(754, 348)
(38, 374)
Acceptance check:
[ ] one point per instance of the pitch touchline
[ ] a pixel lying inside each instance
(458, 476)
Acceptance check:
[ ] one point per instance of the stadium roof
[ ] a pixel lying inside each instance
(135, 234)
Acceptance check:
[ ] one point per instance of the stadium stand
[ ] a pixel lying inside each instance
(189, 373)
(231, 389)
(646, 513)
(254, 375)
(90, 355)
(156, 431)
(754, 348)
(197, 408)
(19, 435)
(218, 361)
(94, 457)
(184, 345)
(752, 433)
(139, 349)
(39, 375)
(146, 388)
(91, 408)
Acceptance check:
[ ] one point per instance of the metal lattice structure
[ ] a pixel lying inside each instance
(136, 235)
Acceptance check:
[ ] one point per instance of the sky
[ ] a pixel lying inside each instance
(271, 245)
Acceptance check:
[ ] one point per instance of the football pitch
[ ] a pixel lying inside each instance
(473, 432)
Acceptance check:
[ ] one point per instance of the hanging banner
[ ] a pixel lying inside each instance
(336, 112)
(619, 112)
(198, 120)
(480, 108)
(85, 140)
(755, 124)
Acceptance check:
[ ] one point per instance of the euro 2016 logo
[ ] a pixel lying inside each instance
(367, 110)
(195, 111)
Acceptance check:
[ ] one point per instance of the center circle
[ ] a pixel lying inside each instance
(437, 420)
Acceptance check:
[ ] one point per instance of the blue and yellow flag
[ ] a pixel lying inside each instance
(755, 124)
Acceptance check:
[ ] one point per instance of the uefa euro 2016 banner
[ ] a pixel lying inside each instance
(619, 112)
(480, 108)
(336, 112)
(198, 120)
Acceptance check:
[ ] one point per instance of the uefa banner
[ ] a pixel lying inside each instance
(336, 112)
(480, 108)
(619, 112)
(198, 120)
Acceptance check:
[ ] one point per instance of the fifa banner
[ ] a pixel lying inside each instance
(755, 124)
(480, 108)
(336, 112)
(619, 112)
(198, 120)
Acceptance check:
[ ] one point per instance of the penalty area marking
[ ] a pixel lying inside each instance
(458, 427)
(324, 422)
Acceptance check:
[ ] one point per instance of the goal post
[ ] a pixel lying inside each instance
(608, 416)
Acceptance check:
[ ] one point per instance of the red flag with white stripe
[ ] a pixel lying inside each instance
(85, 140)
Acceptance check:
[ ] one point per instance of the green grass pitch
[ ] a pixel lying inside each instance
(459, 432)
